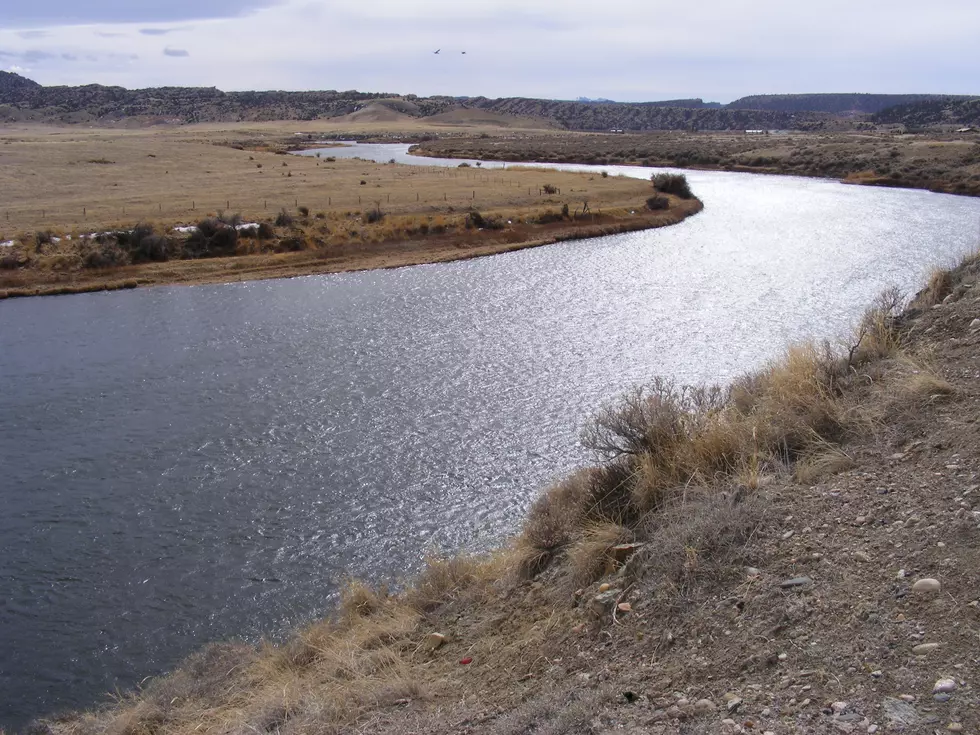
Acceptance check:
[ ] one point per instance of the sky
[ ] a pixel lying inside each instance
(627, 50)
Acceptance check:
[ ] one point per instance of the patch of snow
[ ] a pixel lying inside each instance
(247, 226)
(8, 243)
(185, 228)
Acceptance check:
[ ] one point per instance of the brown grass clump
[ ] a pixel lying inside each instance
(665, 444)
(591, 556)
(940, 285)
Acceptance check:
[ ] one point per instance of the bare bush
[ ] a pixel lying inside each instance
(675, 184)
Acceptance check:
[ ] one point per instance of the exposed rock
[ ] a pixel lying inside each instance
(899, 713)
(944, 686)
(434, 641)
(603, 603)
(925, 648)
(927, 585)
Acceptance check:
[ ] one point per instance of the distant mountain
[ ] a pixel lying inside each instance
(836, 104)
(22, 100)
(939, 111)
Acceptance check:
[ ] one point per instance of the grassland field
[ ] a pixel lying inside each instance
(334, 214)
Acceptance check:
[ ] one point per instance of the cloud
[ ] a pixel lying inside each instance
(72, 12)
(632, 50)
(18, 69)
(159, 31)
(32, 34)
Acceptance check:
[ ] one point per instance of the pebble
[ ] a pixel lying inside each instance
(872, 729)
(927, 585)
(733, 705)
(796, 582)
(975, 323)
(907, 698)
(752, 572)
(941, 698)
(862, 556)
(604, 587)
(704, 707)
(839, 707)
(925, 648)
(434, 641)
(954, 727)
(944, 686)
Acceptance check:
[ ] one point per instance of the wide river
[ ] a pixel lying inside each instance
(185, 464)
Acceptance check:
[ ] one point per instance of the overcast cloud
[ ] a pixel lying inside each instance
(621, 49)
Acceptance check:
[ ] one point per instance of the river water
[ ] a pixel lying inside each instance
(192, 463)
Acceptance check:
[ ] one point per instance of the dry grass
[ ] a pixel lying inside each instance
(325, 219)
(180, 175)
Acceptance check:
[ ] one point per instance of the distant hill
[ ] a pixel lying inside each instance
(941, 111)
(836, 104)
(22, 100)
(15, 87)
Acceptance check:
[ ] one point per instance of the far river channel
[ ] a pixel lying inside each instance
(188, 464)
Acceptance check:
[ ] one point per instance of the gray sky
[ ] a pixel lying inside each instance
(621, 49)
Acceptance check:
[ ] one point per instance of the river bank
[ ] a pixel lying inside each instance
(935, 162)
(315, 258)
(175, 208)
(797, 554)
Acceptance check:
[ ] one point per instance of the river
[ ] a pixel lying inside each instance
(191, 463)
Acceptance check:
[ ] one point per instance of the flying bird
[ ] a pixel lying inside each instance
(437, 51)
(463, 52)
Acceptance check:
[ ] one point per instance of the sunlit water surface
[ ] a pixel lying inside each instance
(193, 463)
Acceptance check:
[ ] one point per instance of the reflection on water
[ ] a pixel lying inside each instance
(186, 464)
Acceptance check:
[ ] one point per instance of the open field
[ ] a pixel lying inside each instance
(939, 162)
(797, 554)
(322, 215)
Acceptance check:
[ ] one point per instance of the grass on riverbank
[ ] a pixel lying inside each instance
(311, 215)
(680, 495)
(935, 161)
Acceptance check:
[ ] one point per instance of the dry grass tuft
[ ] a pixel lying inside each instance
(446, 578)
(591, 556)
(822, 462)
(940, 285)
(360, 600)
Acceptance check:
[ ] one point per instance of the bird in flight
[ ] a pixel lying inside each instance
(463, 52)
(437, 51)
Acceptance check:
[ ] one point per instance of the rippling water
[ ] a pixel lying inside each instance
(191, 463)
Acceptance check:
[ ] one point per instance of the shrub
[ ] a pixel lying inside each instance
(143, 244)
(605, 174)
(232, 220)
(658, 202)
(104, 254)
(213, 237)
(373, 215)
(464, 164)
(265, 231)
(474, 220)
(675, 184)
(564, 210)
(304, 211)
(284, 219)
(550, 189)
